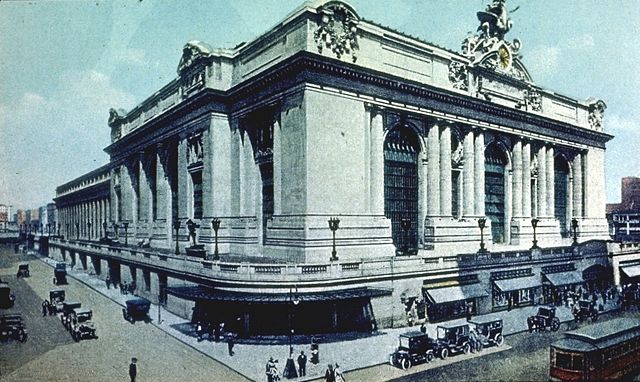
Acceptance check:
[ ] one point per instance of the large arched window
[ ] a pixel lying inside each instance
(561, 180)
(494, 191)
(401, 149)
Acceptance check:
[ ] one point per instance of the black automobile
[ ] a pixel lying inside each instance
(60, 274)
(545, 318)
(12, 328)
(485, 332)
(23, 270)
(136, 309)
(81, 326)
(56, 298)
(583, 310)
(67, 311)
(452, 338)
(413, 348)
(7, 299)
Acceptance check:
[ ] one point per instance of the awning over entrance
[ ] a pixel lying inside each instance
(518, 283)
(631, 270)
(196, 293)
(455, 293)
(564, 278)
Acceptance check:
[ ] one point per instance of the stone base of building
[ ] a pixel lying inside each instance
(448, 234)
(590, 229)
(547, 232)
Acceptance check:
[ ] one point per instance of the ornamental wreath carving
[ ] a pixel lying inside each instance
(458, 75)
(337, 30)
(531, 100)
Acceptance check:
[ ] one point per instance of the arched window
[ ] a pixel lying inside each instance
(561, 180)
(494, 191)
(401, 149)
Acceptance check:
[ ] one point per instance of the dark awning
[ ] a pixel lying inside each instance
(456, 293)
(509, 285)
(631, 271)
(564, 278)
(196, 293)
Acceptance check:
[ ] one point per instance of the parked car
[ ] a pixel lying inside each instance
(137, 309)
(584, 309)
(545, 318)
(452, 338)
(486, 332)
(60, 274)
(12, 328)
(81, 325)
(23, 270)
(56, 298)
(7, 299)
(67, 310)
(413, 348)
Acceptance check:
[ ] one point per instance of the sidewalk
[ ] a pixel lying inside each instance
(351, 353)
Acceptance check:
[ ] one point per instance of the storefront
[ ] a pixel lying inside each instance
(598, 277)
(453, 302)
(630, 274)
(555, 286)
(515, 292)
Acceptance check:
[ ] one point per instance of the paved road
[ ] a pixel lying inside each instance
(51, 354)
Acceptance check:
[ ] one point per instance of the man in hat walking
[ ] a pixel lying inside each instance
(133, 369)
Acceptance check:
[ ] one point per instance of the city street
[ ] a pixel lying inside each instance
(51, 354)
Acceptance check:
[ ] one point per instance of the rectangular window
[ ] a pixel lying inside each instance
(196, 178)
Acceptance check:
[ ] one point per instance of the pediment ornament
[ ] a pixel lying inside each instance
(458, 75)
(337, 30)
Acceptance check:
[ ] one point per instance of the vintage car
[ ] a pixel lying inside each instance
(485, 332)
(81, 325)
(60, 274)
(23, 270)
(545, 318)
(67, 310)
(452, 338)
(56, 298)
(584, 309)
(7, 299)
(413, 348)
(137, 309)
(12, 328)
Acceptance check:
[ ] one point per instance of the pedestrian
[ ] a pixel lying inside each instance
(329, 376)
(302, 364)
(423, 328)
(469, 311)
(221, 332)
(268, 369)
(230, 343)
(133, 369)
(45, 307)
(339, 377)
(199, 331)
(125, 288)
(108, 282)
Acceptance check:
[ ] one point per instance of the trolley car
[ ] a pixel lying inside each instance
(603, 351)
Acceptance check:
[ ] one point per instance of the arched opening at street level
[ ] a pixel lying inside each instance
(561, 197)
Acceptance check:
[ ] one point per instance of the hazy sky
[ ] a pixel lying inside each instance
(63, 64)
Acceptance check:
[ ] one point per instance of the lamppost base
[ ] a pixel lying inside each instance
(215, 257)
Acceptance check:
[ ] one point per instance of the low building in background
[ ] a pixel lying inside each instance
(624, 217)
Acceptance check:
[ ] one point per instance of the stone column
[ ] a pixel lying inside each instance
(377, 163)
(551, 192)
(144, 190)
(183, 180)
(127, 194)
(517, 179)
(577, 186)
(433, 155)
(468, 173)
(277, 169)
(542, 182)
(479, 173)
(445, 172)
(526, 179)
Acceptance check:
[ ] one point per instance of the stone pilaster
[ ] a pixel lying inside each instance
(277, 168)
(542, 182)
(517, 179)
(526, 179)
(577, 186)
(468, 170)
(377, 163)
(433, 154)
(550, 182)
(479, 173)
(445, 171)
(185, 200)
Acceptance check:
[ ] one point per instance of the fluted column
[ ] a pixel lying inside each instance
(517, 179)
(551, 192)
(577, 186)
(526, 179)
(445, 171)
(479, 173)
(143, 189)
(185, 204)
(377, 163)
(433, 170)
(542, 182)
(468, 173)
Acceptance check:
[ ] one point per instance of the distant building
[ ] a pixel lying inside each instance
(20, 217)
(624, 217)
(52, 217)
(5, 215)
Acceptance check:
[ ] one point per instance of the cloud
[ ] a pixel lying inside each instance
(582, 42)
(133, 57)
(543, 61)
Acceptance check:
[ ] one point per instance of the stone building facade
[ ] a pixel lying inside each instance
(411, 146)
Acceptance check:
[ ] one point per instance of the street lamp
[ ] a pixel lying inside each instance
(116, 230)
(89, 229)
(176, 226)
(77, 231)
(406, 225)
(333, 226)
(574, 226)
(58, 229)
(482, 223)
(41, 229)
(534, 224)
(290, 368)
(66, 230)
(104, 228)
(125, 224)
(215, 224)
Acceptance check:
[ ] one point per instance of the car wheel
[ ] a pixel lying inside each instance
(499, 340)
(444, 353)
(391, 357)
(555, 324)
(466, 348)
(405, 363)
(429, 356)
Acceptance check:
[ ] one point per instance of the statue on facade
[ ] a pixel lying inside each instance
(494, 20)
(596, 113)
(191, 226)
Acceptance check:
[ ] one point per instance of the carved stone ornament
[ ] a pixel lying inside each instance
(264, 155)
(116, 177)
(337, 30)
(596, 114)
(458, 75)
(457, 156)
(531, 100)
(116, 116)
(194, 149)
(192, 52)
(534, 166)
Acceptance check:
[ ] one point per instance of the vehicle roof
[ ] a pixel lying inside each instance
(9, 316)
(483, 320)
(23, 265)
(82, 310)
(138, 301)
(56, 290)
(67, 303)
(413, 334)
(606, 333)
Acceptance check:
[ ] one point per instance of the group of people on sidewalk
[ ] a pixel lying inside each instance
(333, 373)
(125, 288)
(216, 333)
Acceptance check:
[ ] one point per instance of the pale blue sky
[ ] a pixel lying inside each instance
(63, 64)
